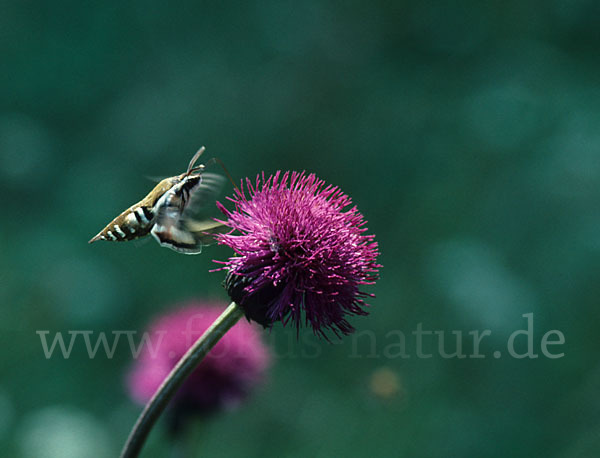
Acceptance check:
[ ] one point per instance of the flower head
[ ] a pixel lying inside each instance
(301, 253)
(225, 376)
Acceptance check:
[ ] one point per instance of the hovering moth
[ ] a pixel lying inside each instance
(167, 212)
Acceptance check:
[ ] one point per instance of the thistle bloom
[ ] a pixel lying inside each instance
(222, 380)
(301, 253)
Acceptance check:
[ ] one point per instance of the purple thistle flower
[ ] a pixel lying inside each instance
(301, 251)
(222, 380)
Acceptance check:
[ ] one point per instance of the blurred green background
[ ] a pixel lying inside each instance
(468, 133)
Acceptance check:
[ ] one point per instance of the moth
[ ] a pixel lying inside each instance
(167, 212)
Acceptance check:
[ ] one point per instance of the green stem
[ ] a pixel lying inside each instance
(176, 377)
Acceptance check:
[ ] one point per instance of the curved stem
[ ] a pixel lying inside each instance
(176, 377)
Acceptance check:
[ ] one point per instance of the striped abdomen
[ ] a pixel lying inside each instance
(137, 220)
(133, 223)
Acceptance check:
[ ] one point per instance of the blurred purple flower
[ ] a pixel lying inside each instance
(301, 251)
(223, 379)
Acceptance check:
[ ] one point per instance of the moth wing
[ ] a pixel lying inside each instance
(176, 224)
(203, 195)
(205, 230)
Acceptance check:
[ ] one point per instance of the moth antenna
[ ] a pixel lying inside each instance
(190, 168)
(195, 169)
(218, 161)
